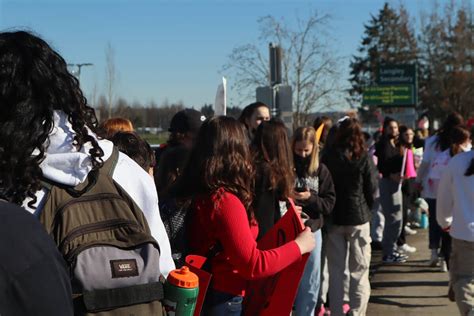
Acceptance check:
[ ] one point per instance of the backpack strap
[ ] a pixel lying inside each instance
(47, 185)
(107, 168)
(99, 300)
(110, 164)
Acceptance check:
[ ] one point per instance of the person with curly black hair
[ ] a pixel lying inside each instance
(48, 132)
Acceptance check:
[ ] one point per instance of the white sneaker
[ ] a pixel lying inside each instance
(406, 248)
(443, 267)
(409, 231)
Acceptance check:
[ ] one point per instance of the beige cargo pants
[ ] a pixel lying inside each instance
(353, 242)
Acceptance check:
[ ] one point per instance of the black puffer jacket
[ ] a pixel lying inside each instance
(355, 186)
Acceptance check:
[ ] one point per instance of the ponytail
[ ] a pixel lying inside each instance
(470, 169)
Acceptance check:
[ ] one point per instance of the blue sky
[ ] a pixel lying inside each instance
(173, 50)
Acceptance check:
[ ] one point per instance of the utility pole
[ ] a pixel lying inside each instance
(77, 73)
(275, 76)
(277, 95)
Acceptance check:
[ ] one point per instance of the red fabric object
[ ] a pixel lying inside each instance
(275, 295)
(222, 218)
(195, 264)
(470, 122)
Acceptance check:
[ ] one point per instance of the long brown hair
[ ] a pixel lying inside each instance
(219, 160)
(444, 133)
(308, 134)
(402, 144)
(272, 148)
(458, 136)
(350, 139)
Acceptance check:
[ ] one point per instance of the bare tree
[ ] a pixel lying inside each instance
(94, 94)
(110, 75)
(309, 65)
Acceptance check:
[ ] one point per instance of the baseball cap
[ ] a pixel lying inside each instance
(187, 120)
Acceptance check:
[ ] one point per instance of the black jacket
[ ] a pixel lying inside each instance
(266, 202)
(321, 186)
(390, 159)
(355, 186)
(33, 276)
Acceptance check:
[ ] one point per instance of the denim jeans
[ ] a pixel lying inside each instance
(222, 304)
(308, 290)
(378, 221)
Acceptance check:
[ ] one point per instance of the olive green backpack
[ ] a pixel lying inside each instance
(105, 239)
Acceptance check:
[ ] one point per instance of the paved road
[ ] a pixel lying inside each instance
(411, 288)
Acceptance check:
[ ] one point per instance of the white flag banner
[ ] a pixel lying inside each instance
(220, 105)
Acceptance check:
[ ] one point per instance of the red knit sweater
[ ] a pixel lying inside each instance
(222, 217)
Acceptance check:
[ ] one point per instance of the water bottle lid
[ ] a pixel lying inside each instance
(183, 278)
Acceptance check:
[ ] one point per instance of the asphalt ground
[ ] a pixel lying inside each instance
(410, 288)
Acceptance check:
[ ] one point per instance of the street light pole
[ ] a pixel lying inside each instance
(79, 66)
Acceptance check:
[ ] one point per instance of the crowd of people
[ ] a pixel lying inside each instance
(214, 189)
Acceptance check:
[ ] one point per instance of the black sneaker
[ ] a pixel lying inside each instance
(399, 254)
(394, 259)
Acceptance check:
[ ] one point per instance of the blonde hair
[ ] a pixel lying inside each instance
(308, 134)
(116, 124)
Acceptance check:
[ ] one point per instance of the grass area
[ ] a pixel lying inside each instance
(155, 139)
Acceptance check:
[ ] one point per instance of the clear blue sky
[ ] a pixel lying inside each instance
(173, 49)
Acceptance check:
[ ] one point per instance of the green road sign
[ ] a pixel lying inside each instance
(392, 95)
(396, 74)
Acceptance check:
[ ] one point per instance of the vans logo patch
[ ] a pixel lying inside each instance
(124, 268)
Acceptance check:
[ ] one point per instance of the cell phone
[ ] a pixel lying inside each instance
(300, 189)
(314, 224)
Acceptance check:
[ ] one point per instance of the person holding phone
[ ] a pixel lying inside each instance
(314, 192)
(218, 180)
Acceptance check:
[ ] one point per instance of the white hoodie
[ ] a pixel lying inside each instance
(64, 164)
(455, 199)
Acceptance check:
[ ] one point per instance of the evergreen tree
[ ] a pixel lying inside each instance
(447, 60)
(388, 39)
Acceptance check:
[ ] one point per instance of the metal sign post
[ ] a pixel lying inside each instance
(276, 95)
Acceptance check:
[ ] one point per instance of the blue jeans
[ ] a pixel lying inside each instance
(222, 304)
(378, 221)
(308, 290)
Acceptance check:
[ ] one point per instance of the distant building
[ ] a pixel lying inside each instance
(149, 130)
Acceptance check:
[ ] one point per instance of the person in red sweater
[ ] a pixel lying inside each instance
(218, 178)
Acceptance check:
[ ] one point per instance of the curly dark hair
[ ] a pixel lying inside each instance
(34, 82)
(219, 160)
